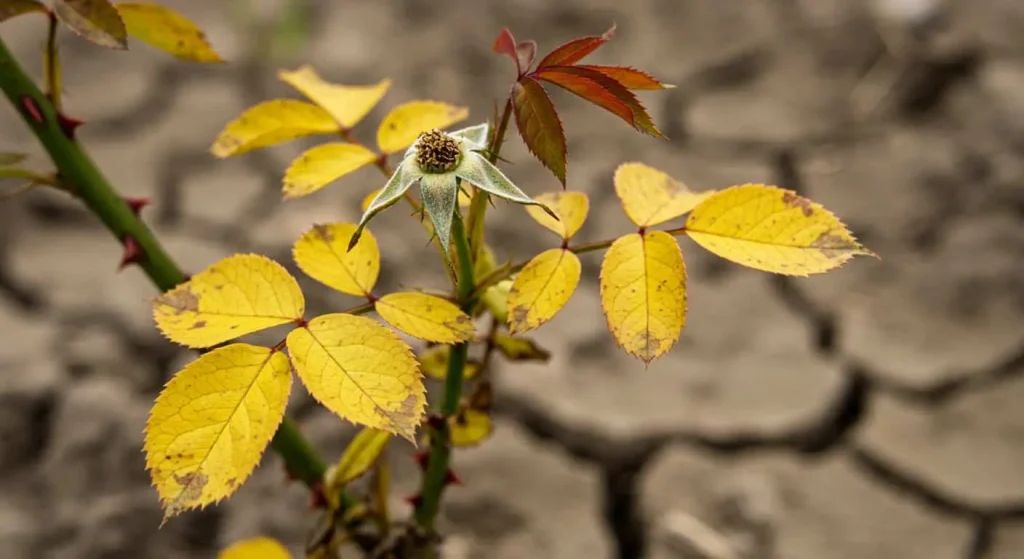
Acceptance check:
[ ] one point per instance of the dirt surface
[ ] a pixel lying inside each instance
(868, 413)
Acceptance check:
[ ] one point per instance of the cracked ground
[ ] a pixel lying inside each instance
(871, 413)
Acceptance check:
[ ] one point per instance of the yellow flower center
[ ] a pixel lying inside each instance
(437, 152)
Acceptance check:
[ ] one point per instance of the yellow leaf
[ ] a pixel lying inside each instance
(256, 548)
(348, 104)
(643, 293)
(210, 424)
(359, 457)
(470, 427)
(773, 230)
(650, 197)
(426, 317)
(520, 349)
(238, 295)
(322, 254)
(541, 289)
(571, 208)
(272, 122)
(434, 363)
(167, 30)
(406, 122)
(96, 21)
(323, 165)
(361, 371)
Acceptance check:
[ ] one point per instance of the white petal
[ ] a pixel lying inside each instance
(404, 176)
(439, 193)
(479, 172)
(475, 136)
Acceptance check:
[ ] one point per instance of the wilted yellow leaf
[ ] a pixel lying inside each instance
(434, 363)
(272, 122)
(643, 293)
(256, 548)
(322, 254)
(322, 165)
(361, 371)
(406, 122)
(348, 104)
(14, 8)
(470, 427)
(520, 349)
(571, 208)
(772, 229)
(167, 30)
(650, 196)
(96, 21)
(426, 317)
(358, 458)
(238, 295)
(541, 289)
(210, 424)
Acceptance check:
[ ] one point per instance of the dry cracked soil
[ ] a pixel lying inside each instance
(871, 413)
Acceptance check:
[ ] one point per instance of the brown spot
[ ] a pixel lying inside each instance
(324, 232)
(795, 201)
(198, 324)
(181, 300)
(519, 313)
(832, 242)
(192, 485)
(233, 482)
(673, 187)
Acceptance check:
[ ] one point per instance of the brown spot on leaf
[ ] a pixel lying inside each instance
(192, 485)
(795, 201)
(831, 241)
(199, 324)
(324, 232)
(181, 300)
(518, 314)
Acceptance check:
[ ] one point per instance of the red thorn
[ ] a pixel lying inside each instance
(317, 499)
(132, 252)
(68, 125)
(422, 458)
(451, 478)
(414, 500)
(436, 421)
(32, 109)
(136, 203)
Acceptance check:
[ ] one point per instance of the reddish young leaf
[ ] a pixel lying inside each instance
(603, 92)
(592, 86)
(539, 125)
(630, 78)
(526, 51)
(506, 44)
(575, 50)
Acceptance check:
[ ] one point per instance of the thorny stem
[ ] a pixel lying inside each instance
(78, 171)
(478, 205)
(435, 477)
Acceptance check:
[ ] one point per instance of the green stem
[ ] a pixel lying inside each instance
(478, 204)
(435, 477)
(78, 171)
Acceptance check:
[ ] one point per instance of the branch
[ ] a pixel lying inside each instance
(79, 174)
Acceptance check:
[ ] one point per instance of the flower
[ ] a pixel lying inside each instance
(439, 161)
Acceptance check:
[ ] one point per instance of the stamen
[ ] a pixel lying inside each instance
(437, 152)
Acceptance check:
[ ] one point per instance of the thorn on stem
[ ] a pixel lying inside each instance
(436, 421)
(132, 252)
(317, 499)
(451, 478)
(136, 203)
(68, 125)
(30, 106)
(422, 457)
(415, 500)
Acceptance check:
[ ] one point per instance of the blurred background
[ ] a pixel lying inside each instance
(871, 413)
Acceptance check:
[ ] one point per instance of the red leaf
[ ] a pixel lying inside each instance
(506, 44)
(603, 92)
(539, 125)
(592, 86)
(575, 50)
(630, 78)
(526, 51)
